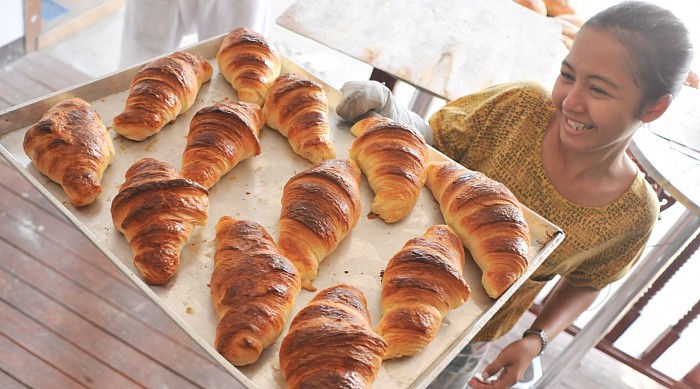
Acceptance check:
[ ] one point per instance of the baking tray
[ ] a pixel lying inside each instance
(252, 191)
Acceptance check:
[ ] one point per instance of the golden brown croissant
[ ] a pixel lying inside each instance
(157, 210)
(331, 344)
(160, 92)
(298, 108)
(394, 157)
(559, 7)
(253, 288)
(220, 137)
(421, 283)
(538, 6)
(487, 218)
(249, 63)
(71, 146)
(320, 206)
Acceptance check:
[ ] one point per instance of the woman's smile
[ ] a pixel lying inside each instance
(576, 127)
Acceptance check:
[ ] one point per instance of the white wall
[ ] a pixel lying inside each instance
(11, 20)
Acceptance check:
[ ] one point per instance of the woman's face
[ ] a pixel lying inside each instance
(595, 94)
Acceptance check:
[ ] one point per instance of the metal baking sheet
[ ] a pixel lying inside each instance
(253, 191)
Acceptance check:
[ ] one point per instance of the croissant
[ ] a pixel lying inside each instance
(558, 7)
(298, 108)
(394, 157)
(249, 63)
(160, 92)
(71, 146)
(220, 137)
(157, 210)
(253, 289)
(331, 344)
(487, 218)
(421, 283)
(320, 206)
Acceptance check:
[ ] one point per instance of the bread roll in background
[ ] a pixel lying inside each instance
(250, 63)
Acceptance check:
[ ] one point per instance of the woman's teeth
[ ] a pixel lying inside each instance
(578, 126)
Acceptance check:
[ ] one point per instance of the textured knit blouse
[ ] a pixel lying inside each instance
(499, 132)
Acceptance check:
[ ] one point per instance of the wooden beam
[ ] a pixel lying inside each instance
(76, 23)
(32, 24)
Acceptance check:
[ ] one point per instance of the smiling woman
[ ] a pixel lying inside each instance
(572, 166)
(95, 51)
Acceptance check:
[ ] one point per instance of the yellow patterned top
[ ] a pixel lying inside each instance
(499, 132)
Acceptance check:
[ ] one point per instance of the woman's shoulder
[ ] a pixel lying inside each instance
(646, 195)
(517, 98)
(638, 206)
(514, 90)
(524, 88)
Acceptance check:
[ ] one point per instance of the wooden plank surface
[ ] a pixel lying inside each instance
(71, 319)
(22, 368)
(35, 75)
(18, 83)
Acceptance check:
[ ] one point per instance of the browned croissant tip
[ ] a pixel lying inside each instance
(375, 124)
(240, 350)
(288, 82)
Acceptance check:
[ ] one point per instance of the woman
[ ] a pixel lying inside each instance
(564, 156)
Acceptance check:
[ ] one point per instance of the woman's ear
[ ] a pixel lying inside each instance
(654, 110)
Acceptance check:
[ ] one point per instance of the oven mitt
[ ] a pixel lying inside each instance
(361, 99)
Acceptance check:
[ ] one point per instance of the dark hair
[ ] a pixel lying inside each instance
(658, 41)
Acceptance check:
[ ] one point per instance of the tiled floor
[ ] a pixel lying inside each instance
(95, 51)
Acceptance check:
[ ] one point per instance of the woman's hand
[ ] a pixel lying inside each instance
(361, 99)
(506, 370)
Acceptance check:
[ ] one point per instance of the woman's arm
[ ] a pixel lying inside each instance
(564, 304)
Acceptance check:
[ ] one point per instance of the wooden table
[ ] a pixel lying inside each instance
(676, 168)
(448, 48)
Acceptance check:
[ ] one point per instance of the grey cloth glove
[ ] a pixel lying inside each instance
(361, 99)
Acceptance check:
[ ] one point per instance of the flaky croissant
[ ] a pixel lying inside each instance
(157, 210)
(394, 157)
(331, 344)
(160, 92)
(71, 146)
(253, 288)
(249, 63)
(421, 283)
(220, 137)
(487, 218)
(559, 7)
(320, 206)
(298, 108)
